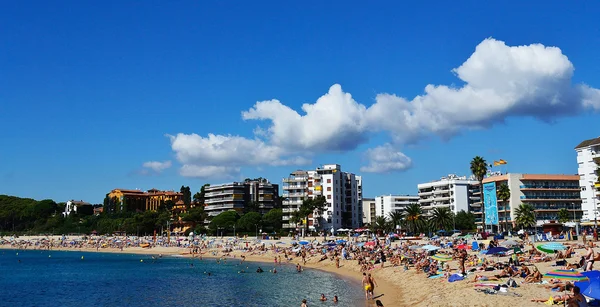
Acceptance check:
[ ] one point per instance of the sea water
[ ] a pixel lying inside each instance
(73, 278)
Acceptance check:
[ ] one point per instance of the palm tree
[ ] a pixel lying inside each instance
(441, 218)
(395, 218)
(525, 215)
(381, 224)
(563, 215)
(414, 216)
(504, 195)
(479, 169)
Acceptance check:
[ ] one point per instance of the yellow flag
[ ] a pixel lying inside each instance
(502, 161)
(496, 163)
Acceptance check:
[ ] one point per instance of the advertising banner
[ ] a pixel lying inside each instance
(491, 204)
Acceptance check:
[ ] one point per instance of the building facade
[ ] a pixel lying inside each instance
(386, 204)
(369, 212)
(342, 191)
(454, 192)
(237, 195)
(546, 193)
(588, 160)
(73, 206)
(139, 201)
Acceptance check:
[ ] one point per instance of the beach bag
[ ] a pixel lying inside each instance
(511, 283)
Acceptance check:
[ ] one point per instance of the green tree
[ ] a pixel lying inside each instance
(273, 218)
(251, 206)
(309, 207)
(504, 195)
(249, 221)
(414, 216)
(195, 215)
(441, 218)
(479, 169)
(465, 220)
(200, 196)
(187, 196)
(563, 215)
(225, 219)
(396, 218)
(525, 216)
(381, 225)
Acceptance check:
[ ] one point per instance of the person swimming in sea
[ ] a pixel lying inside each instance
(259, 270)
(323, 298)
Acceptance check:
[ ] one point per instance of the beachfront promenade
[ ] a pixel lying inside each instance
(415, 272)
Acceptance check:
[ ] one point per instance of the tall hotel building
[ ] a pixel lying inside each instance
(588, 160)
(369, 212)
(452, 191)
(236, 195)
(546, 193)
(342, 190)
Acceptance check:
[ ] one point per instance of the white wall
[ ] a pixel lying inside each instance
(586, 168)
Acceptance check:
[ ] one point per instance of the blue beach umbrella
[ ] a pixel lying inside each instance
(340, 241)
(585, 283)
(593, 290)
(303, 242)
(496, 250)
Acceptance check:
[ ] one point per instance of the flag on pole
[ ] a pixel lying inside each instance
(502, 161)
(496, 163)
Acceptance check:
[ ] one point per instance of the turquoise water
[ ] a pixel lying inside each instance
(104, 279)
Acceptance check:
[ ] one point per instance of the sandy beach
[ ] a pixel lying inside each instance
(396, 287)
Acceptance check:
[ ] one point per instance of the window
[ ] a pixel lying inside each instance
(328, 204)
(329, 196)
(328, 188)
(328, 180)
(328, 220)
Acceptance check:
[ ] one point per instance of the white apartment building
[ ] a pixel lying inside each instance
(588, 156)
(369, 212)
(235, 195)
(452, 191)
(386, 204)
(342, 190)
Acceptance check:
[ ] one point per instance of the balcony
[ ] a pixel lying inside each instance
(289, 210)
(288, 225)
(295, 194)
(292, 202)
(295, 179)
(223, 192)
(295, 187)
(224, 199)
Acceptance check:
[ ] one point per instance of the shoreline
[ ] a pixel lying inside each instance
(388, 291)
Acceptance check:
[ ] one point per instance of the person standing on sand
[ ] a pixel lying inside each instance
(372, 283)
(366, 285)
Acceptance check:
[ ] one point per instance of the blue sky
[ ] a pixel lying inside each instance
(90, 92)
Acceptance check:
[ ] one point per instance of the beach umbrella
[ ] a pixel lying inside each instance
(370, 243)
(360, 244)
(413, 247)
(462, 246)
(303, 242)
(551, 247)
(593, 290)
(510, 243)
(496, 250)
(566, 275)
(441, 258)
(430, 247)
(589, 274)
(340, 241)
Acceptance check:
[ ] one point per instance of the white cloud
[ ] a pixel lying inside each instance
(385, 159)
(498, 82)
(157, 166)
(223, 155)
(334, 122)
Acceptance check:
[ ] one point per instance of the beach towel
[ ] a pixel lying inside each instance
(455, 277)
(436, 276)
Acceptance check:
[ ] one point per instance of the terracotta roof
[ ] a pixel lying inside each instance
(180, 202)
(130, 191)
(588, 143)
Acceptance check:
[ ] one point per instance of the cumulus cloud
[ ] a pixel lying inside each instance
(497, 82)
(385, 159)
(156, 166)
(223, 155)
